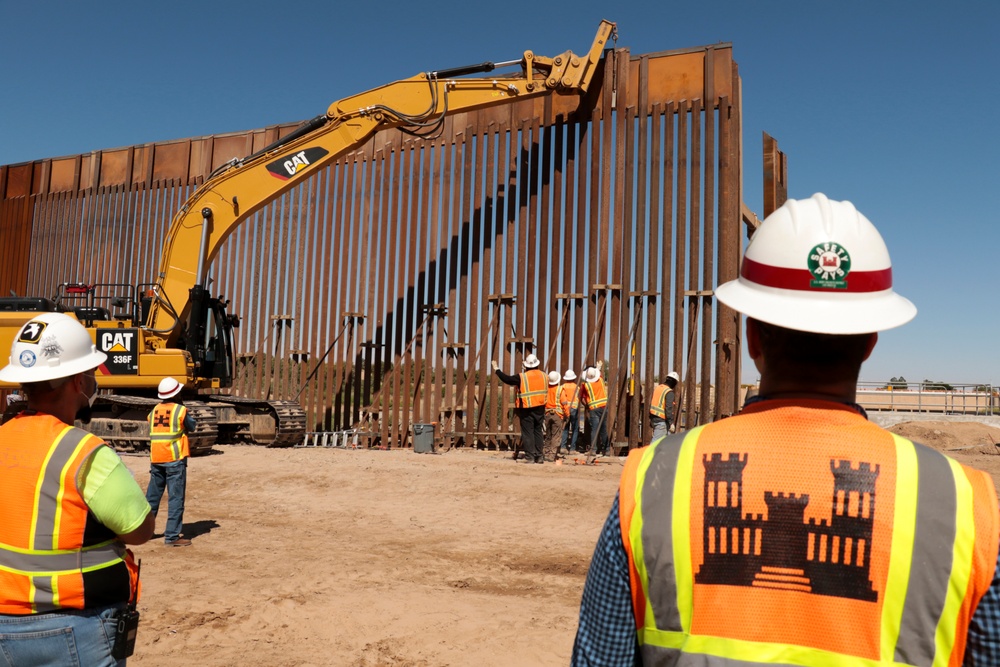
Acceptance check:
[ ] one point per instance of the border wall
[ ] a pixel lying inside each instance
(394, 276)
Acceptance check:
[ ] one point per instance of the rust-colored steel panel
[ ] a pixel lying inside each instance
(15, 235)
(171, 161)
(19, 180)
(114, 167)
(682, 321)
(680, 75)
(615, 205)
(654, 347)
(378, 290)
(64, 174)
(775, 176)
(577, 247)
(728, 329)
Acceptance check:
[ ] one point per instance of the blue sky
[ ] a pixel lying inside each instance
(891, 105)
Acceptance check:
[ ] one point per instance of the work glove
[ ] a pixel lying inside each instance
(600, 365)
(496, 366)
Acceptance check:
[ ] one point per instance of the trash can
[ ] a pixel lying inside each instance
(423, 438)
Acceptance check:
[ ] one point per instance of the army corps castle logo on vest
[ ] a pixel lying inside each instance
(829, 263)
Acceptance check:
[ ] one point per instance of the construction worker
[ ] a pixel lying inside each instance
(797, 532)
(169, 424)
(594, 395)
(569, 398)
(529, 407)
(555, 418)
(69, 506)
(661, 407)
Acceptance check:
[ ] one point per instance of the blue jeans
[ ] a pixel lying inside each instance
(72, 638)
(571, 431)
(173, 477)
(659, 428)
(598, 431)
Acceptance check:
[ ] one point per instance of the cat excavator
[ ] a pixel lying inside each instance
(175, 327)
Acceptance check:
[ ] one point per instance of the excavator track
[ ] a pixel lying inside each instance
(260, 422)
(207, 431)
(122, 421)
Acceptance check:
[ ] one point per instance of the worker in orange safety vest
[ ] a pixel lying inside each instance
(169, 449)
(555, 418)
(569, 398)
(797, 532)
(69, 506)
(529, 406)
(661, 406)
(594, 396)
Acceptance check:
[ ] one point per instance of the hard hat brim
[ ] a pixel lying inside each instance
(40, 373)
(170, 394)
(818, 312)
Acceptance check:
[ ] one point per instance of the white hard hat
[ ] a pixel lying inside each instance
(569, 376)
(51, 346)
(531, 361)
(820, 266)
(553, 377)
(592, 375)
(169, 387)
(674, 375)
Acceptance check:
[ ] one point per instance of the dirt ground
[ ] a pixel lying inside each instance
(326, 557)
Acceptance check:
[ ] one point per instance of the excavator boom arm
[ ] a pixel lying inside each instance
(241, 187)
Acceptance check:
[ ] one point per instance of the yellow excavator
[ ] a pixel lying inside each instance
(174, 327)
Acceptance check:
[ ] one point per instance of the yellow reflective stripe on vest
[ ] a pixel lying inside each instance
(47, 511)
(669, 577)
(680, 650)
(900, 559)
(596, 402)
(65, 561)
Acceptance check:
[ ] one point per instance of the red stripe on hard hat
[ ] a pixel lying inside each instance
(799, 279)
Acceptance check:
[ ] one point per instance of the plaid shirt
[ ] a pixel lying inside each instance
(606, 635)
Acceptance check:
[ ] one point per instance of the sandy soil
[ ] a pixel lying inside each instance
(365, 557)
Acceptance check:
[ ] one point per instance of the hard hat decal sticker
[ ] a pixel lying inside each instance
(51, 347)
(829, 263)
(289, 165)
(31, 332)
(27, 358)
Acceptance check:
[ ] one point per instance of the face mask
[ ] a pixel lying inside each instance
(85, 414)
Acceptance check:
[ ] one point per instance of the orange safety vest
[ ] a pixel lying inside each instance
(552, 400)
(863, 548)
(167, 440)
(657, 407)
(569, 397)
(533, 390)
(595, 394)
(53, 553)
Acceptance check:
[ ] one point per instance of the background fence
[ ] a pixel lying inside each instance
(960, 399)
